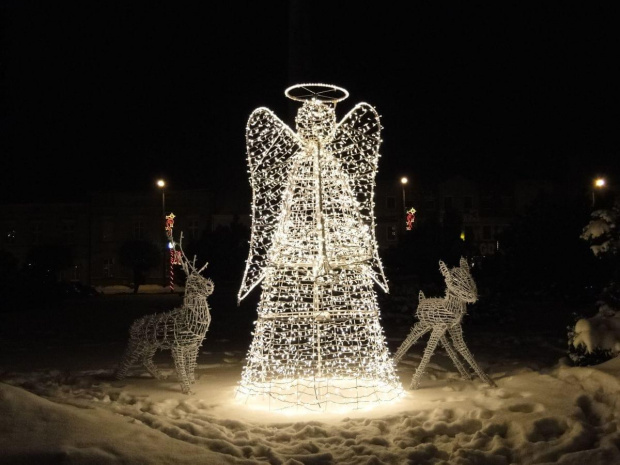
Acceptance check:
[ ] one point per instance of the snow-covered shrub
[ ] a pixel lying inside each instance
(602, 232)
(596, 339)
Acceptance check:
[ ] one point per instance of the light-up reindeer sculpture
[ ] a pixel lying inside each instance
(181, 330)
(441, 315)
(318, 338)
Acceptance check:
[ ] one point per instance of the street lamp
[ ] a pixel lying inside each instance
(162, 185)
(403, 182)
(599, 183)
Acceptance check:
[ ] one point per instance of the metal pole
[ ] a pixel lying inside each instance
(163, 214)
(404, 207)
(163, 204)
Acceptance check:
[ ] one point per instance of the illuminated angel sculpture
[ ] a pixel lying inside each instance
(318, 339)
(181, 330)
(441, 315)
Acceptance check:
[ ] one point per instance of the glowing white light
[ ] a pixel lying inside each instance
(318, 343)
(439, 315)
(181, 330)
(161, 183)
(599, 182)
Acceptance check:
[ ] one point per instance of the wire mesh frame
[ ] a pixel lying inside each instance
(182, 330)
(317, 342)
(444, 315)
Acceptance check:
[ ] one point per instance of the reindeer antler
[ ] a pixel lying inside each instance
(184, 260)
(444, 269)
(185, 263)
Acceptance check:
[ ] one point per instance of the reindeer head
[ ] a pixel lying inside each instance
(460, 281)
(195, 282)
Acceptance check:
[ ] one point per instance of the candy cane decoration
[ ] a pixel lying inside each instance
(173, 257)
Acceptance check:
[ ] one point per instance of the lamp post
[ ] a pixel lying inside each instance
(403, 182)
(599, 183)
(162, 185)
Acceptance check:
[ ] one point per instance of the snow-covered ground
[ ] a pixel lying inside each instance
(60, 404)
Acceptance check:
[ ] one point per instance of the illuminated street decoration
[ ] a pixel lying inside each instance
(174, 259)
(439, 315)
(410, 218)
(318, 343)
(181, 330)
(170, 224)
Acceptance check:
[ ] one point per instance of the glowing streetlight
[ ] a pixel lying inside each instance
(162, 185)
(599, 183)
(403, 182)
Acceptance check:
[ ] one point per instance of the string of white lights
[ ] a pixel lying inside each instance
(181, 330)
(317, 342)
(441, 315)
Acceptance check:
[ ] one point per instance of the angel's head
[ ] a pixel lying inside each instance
(316, 121)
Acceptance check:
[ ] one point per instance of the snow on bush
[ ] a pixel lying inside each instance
(602, 231)
(601, 331)
(595, 339)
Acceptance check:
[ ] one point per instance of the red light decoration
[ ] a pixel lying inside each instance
(410, 218)
(175, 257)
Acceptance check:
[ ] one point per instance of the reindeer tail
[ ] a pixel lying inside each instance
(136, 328)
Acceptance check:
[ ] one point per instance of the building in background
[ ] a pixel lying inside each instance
(482, 210)
(93, 231)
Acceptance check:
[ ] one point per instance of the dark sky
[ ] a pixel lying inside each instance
(113, 96)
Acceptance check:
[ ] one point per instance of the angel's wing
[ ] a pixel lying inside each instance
(356, 144)
(270, 146)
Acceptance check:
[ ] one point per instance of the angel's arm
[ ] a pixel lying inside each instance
(270, 146)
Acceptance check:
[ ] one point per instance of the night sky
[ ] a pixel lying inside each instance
(110, 97)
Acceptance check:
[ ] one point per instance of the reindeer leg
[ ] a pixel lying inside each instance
(179, 363)
(147, 361)
(130, 357)
(437, 333)
(457, 336)
(191, 356)
(455, 358)
(416, 333)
